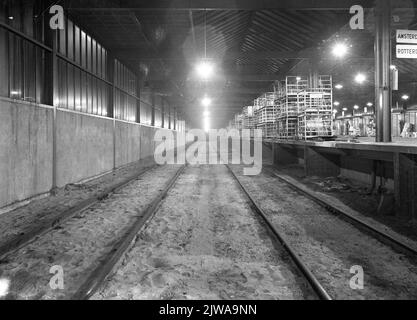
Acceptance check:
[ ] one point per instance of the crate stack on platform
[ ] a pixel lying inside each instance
(248, 118)
(238, 123)
(299, 108)
(288, 101)
(265, 112)
(315, 110)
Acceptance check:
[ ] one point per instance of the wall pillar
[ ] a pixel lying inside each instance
(283, 156)
(175, 119)
(169, 116)
(163, 113)
(153, 108)
(405, 181)
(383, 90)
(55, 103)
(320, 164)
(138, 95)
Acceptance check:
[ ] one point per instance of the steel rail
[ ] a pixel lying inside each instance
(96, 278)
(23, 240)
(379, 234)
(314, 283)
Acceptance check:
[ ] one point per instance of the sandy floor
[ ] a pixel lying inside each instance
(21, 221)
(205, 243)
(355, 195)
(79, 242)
(330, 246)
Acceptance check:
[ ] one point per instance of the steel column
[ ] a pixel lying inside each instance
(153, 108)
(55, 103)
(386, 71)
(138, 102)
(113, 106)
(383, 92)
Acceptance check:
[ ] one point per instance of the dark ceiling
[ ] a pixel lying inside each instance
(252, 43)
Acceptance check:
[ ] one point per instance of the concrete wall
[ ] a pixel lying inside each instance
(128, 143)
(327, 165)
(360, 169)
(25, 151)
(84, 148)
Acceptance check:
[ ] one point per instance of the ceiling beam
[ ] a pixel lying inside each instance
(231, 5)
(218, 91)
(138, 54)
(231, 77)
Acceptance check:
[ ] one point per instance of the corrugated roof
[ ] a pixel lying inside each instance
(178, 38)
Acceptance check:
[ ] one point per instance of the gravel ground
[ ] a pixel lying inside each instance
(79, 242)
(355, 195)
(205, 243)
(330, 246)
(21, 221)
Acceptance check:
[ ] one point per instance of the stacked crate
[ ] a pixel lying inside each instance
(315, 110)
(288, 100)
(265, 112)
(248, 118)
(231, 125)
(238, 121)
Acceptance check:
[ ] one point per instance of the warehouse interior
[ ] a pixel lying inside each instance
(325, 91)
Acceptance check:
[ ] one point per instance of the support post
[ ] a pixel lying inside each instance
(283, 156)
(320, 164)
(163, 113)
(386, 70)
(175, 119)
(383, 91)
(153, 108)
(113, 107)
(405, 180)
(169, 116)
(55, 103)
(138, 94)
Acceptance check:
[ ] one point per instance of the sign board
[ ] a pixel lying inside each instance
(406, 51)
(407, 36)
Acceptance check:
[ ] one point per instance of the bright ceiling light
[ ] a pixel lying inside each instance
(206, 114)
(369, 104)
(336, 103)
(298, 78)
(356, 107)
(392, 67)
(345, 109)
(206, 102)
(334, 111)
(340, 50)
(360, 78)
(206, 124)
(405, 97)
(338, 86)
(205, 70)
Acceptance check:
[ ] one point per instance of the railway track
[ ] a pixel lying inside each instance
(309, 276)
(331, 246)
(349, 215)
(23, 240)
(94, 281)
(106, 263)
(100, 268)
